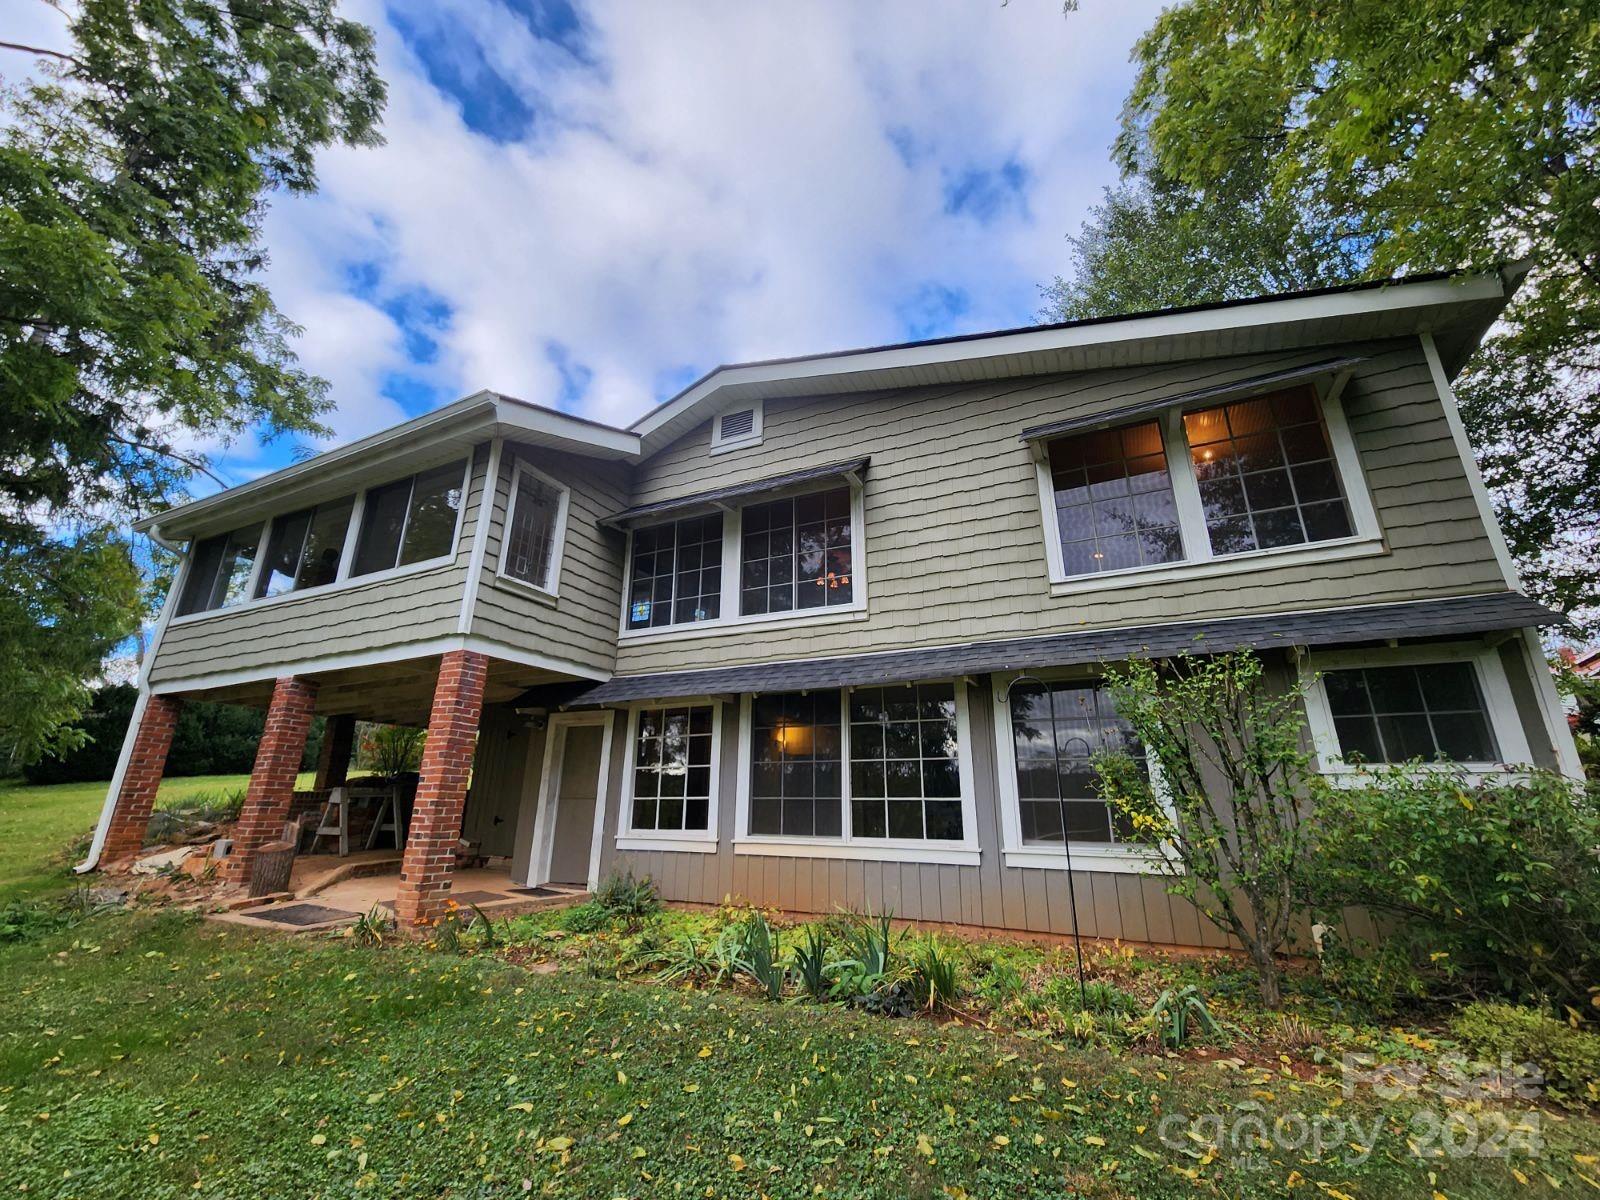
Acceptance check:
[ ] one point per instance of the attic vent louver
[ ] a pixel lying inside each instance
(737, 424)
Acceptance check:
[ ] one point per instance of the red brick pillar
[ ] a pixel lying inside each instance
(137, 795)
(271, 792)
(442, 790)
(333, 760)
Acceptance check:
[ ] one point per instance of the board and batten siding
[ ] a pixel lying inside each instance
(1109, 905)
(351, 618)
(954, 538)
(580, 624)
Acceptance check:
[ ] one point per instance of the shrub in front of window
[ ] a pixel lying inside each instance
(1230, 760)
(1489, 886)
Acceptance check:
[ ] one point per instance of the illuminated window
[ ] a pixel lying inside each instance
(1113, 500)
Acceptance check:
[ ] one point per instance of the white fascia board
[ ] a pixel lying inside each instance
(1393, 298)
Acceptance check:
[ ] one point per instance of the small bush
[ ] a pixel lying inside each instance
(371, 927)
(935, 973)
(1568, 1056)
(1177, 1014)
(811, 962)
(689, 960)
(588, 917)
(1001, 984)
(624, 896)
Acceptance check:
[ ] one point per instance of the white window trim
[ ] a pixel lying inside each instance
(1114, 857)
(1198, 561)
(551, 589)
(689, 841)
(732, 541)
(966, 852)
(722, 445)
(1499, 703)
(345, 581)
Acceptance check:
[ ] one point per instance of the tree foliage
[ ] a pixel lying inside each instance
(1369, 140)
(1228, 766)
(134, 328)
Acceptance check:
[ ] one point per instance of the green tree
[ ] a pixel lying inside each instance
(135, 169)
(1368, 140)
(1228, 772)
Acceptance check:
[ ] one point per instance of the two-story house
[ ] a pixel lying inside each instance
(827, 631)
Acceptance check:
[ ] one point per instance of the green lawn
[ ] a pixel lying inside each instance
(39, 826)
(156, 1055)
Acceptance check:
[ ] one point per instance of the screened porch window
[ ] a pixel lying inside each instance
(672, 769)
(219, 573)
(1113, 499)
(410, 520)
(304, 548)
(1266, 473)
(675, 574)
(797, 553)
(1056, 729)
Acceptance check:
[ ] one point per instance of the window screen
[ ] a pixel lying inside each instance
(672, 769)
(219, 572)
(905, 779)
(1114, 503)
(1267, 477)
(530, 538)
(305, 547)
(409, 521)
(1056, 730)
(796, 553)
(676, 573)
(795, 776)
(1394, 714)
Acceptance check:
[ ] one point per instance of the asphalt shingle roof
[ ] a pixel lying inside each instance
(1318, 627)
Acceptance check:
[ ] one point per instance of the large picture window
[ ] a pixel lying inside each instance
(304, 548)
(409, 521)
(220, 571)
(1056, 730)
(868, 765)
(1394, 714)
(532, 551)
(675, 575)
(796, 553)
(672, 775)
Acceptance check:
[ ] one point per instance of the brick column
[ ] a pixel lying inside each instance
(137, 795)
(271, 792)
(333, 760)
(442, 790)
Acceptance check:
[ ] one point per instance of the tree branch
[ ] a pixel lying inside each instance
(40, 50)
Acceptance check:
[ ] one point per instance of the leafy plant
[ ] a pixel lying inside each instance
(371, 927)
(588, 917)
(391, 750)
(1225, 825)
(757, 955)
(483, 927)
(688, 959)
(1485, 886)
(935, 973)
(447, 933)
(811, 961)
(871, 943)
(1174, 1014)
(1568, 1056)
(621, 895)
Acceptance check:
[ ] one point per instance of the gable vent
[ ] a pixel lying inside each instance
(736, 424)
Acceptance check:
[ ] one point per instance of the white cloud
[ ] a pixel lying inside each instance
(719, 181)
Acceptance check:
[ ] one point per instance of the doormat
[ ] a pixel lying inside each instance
(300, 914)
(478, 897)
(539, 891)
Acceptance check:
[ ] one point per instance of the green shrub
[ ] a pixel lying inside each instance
(935, 973)
(624, 896)
(1098, 996)
(588, 917)
(1568, 1056)
(1176, 1014)
(811, 961)
(1493, 887)
(1000, 984)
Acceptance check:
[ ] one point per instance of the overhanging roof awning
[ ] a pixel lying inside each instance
(1236, 390)
(723, 497)
(1321, 627)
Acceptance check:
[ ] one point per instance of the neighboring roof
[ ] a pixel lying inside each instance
(1237, 389)
(1319, 627)
(720, 496)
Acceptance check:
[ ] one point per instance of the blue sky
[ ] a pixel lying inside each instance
(589, 204)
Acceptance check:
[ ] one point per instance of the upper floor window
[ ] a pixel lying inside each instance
(1260, 474)
(1114, 502)
(304, 548)
(675, 575)
(409, 521)
(534, 530)
(220, 570)
(796, 553)
(1266, 473)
